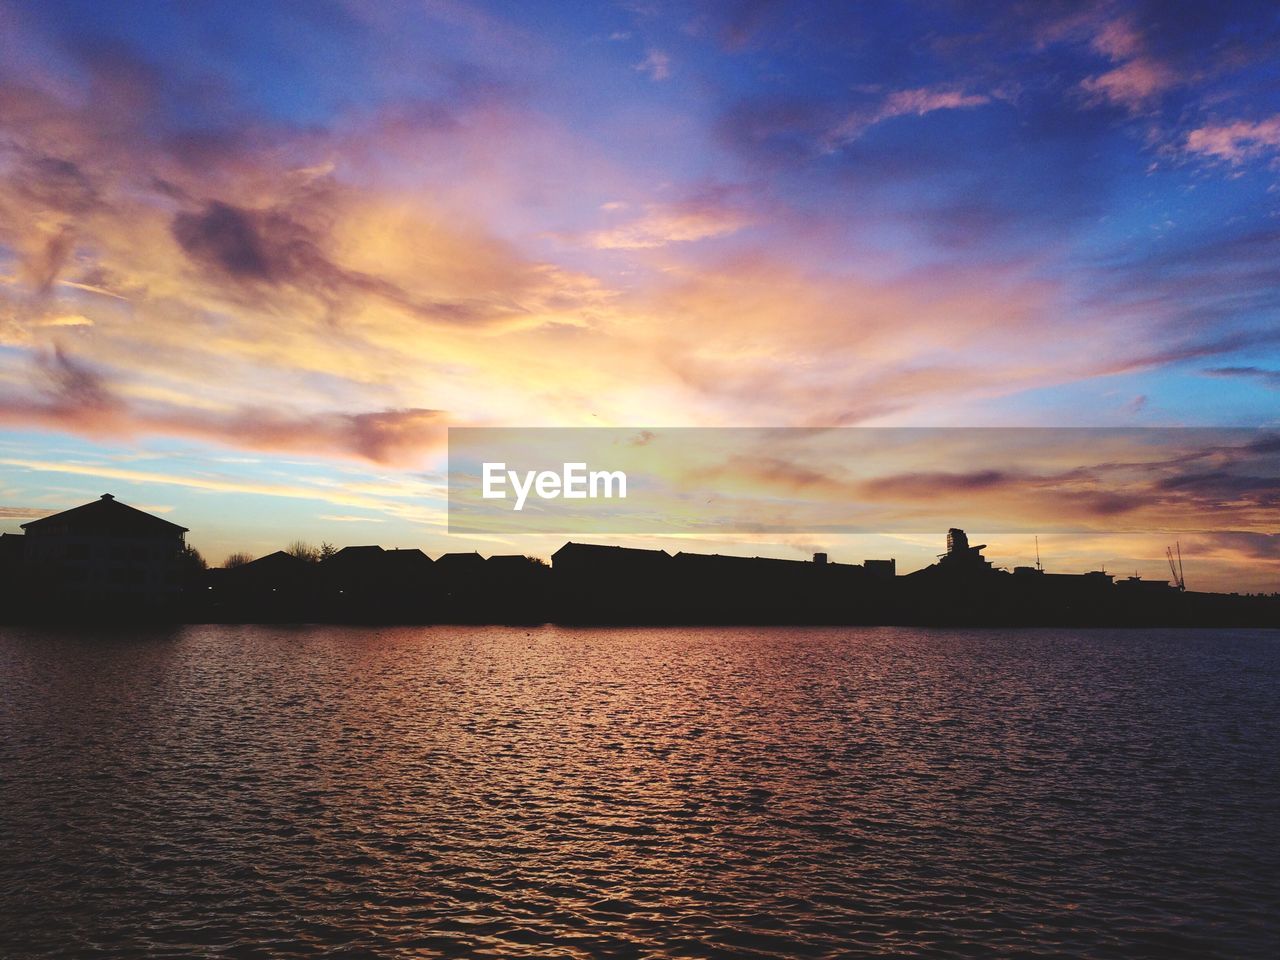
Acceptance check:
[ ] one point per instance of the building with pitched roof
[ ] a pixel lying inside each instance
(105, 552)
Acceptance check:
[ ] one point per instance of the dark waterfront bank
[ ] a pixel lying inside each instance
(295, 792)
(107, 561)
(685, 591)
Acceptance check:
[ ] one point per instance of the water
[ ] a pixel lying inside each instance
(498, 792)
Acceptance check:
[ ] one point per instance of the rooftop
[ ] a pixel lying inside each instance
(106, 515)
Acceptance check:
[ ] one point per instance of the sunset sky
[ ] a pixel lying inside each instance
(255, 258)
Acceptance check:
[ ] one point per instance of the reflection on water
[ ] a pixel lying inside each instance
(500, 792)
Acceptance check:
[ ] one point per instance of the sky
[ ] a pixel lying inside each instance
(256, 259)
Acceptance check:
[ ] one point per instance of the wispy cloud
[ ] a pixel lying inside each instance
(78, 399)
(1132, 85)
(660, 224)
(1237, 141)
(414, 512)
(1138, 77)
(916, 102)
(656, 65)
(22, 513)
(1270, 378)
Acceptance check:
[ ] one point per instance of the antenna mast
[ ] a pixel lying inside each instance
(1038, 566)
(1175, 566)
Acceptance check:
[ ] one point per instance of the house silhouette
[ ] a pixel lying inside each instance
(108, 560)
(104, 554)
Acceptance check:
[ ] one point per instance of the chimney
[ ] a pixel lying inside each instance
(819, 558)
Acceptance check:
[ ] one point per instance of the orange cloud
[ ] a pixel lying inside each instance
(275, 288)
(663, 224)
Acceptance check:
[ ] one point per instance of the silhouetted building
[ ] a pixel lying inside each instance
(881, 569)
(517, 588)
(274, 572)
(597, 583)
(353, 568)
(961, 561)
(1136, 584)
(463, 590)
(369, 583)
(962, 587)
(12, 553)
(279, 586)
(105, 553)
(961, 557)
(407, 564)
(586, 559)
(459, 564)
(14, 587)
(410, 585)
(622, 584)
(106, 558)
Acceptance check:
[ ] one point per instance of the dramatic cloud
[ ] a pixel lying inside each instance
(226, 238)
(273, 248)
(766, 213)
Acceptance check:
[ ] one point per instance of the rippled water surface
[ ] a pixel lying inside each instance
(503, 792)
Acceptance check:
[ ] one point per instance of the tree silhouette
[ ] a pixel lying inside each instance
(191, 567)
(303, 551)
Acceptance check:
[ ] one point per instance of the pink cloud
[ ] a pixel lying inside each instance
(902, 103)
(926, 100)
(76, 398)
(1136, 78)
(391, 437)
(1236, 142)
(1131, 85)
(1117, 39)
